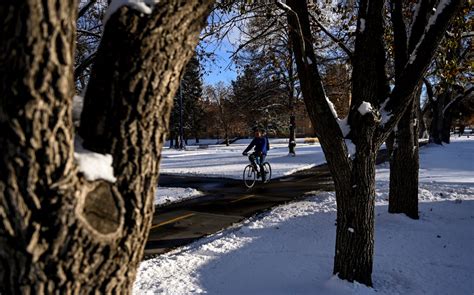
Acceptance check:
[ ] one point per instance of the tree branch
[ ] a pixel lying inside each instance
(84, 64)
(89, 33)
(299, 30)
(429, 91)
(458, 99)
(333, 38)
(85, 8)
(418, 62)
(400, 37)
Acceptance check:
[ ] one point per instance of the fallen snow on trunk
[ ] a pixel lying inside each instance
(365, 108)
(290, 249)
(93, 165)
(143, 6)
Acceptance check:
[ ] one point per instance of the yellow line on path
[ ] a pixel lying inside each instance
(173, 220)
(243, 198)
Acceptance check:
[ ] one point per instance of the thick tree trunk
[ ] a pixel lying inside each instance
(436, 127)
(60, 233)
(404, 166)
(355, 222)
(446, 128)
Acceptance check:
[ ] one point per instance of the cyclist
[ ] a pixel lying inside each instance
(261, 146)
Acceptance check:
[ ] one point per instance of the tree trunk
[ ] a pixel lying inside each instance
(292, 141)
(355, 221)
(446, 127)
(60, 233)
(404, 165)
(436, 127)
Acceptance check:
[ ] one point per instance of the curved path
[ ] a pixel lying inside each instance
(225, 202)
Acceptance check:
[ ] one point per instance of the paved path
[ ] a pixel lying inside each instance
(226, 201)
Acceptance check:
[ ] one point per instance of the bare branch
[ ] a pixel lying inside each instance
(85, 8)
(333, 38)
(286, 8)
(89, 33)
(458, 99)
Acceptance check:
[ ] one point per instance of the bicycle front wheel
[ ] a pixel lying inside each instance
(249, 176)
(268, 171)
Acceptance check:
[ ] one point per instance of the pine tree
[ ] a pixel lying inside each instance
(192, 109)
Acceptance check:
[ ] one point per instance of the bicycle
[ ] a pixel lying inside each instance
(251, 171)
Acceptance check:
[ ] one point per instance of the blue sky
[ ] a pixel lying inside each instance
(220, 70)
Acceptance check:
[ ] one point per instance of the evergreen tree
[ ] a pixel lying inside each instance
(190, 94)
(258, 99)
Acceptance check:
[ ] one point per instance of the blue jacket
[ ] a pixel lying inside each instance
(261, 144)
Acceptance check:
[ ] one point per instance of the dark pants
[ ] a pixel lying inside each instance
(257, 160)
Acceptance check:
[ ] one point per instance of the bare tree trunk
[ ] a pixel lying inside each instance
(60, 233)
(291, 102)
(354, 178)
(292, 141)
(355, 222)
(436, 127)
(404, 166)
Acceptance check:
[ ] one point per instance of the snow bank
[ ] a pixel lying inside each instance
(168, 195)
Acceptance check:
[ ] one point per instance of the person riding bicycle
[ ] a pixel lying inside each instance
(261, 146)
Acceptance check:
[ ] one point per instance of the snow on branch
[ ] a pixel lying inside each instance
(299, 30)
(365, 108)
(432, 20)
(143, 6)
(384, 114)
(93, 165)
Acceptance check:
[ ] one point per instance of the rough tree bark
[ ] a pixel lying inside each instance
(59, 232)
(291, 102)
(354, 177)
(404, 153)
(404, 165)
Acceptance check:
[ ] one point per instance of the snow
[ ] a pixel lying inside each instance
(290, 249)
(365, 108)
(228, 162)
(431, 21)
(77, 106)
(362, 25)
(384, 114)
(351, 147)
(310, 62)
(344, 126)
(143, 6)
(168, 195)
(331, 107)
(453, 163)
(285, 7)
(93, 165)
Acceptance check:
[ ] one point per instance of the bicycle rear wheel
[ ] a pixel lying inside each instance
(268, 172)
(249, 176)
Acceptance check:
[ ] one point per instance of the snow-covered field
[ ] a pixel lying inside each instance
(228, 162)
(290, 249)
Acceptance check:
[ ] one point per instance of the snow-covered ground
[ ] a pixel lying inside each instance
(228, 162)
(168, 195)
(290, 249)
